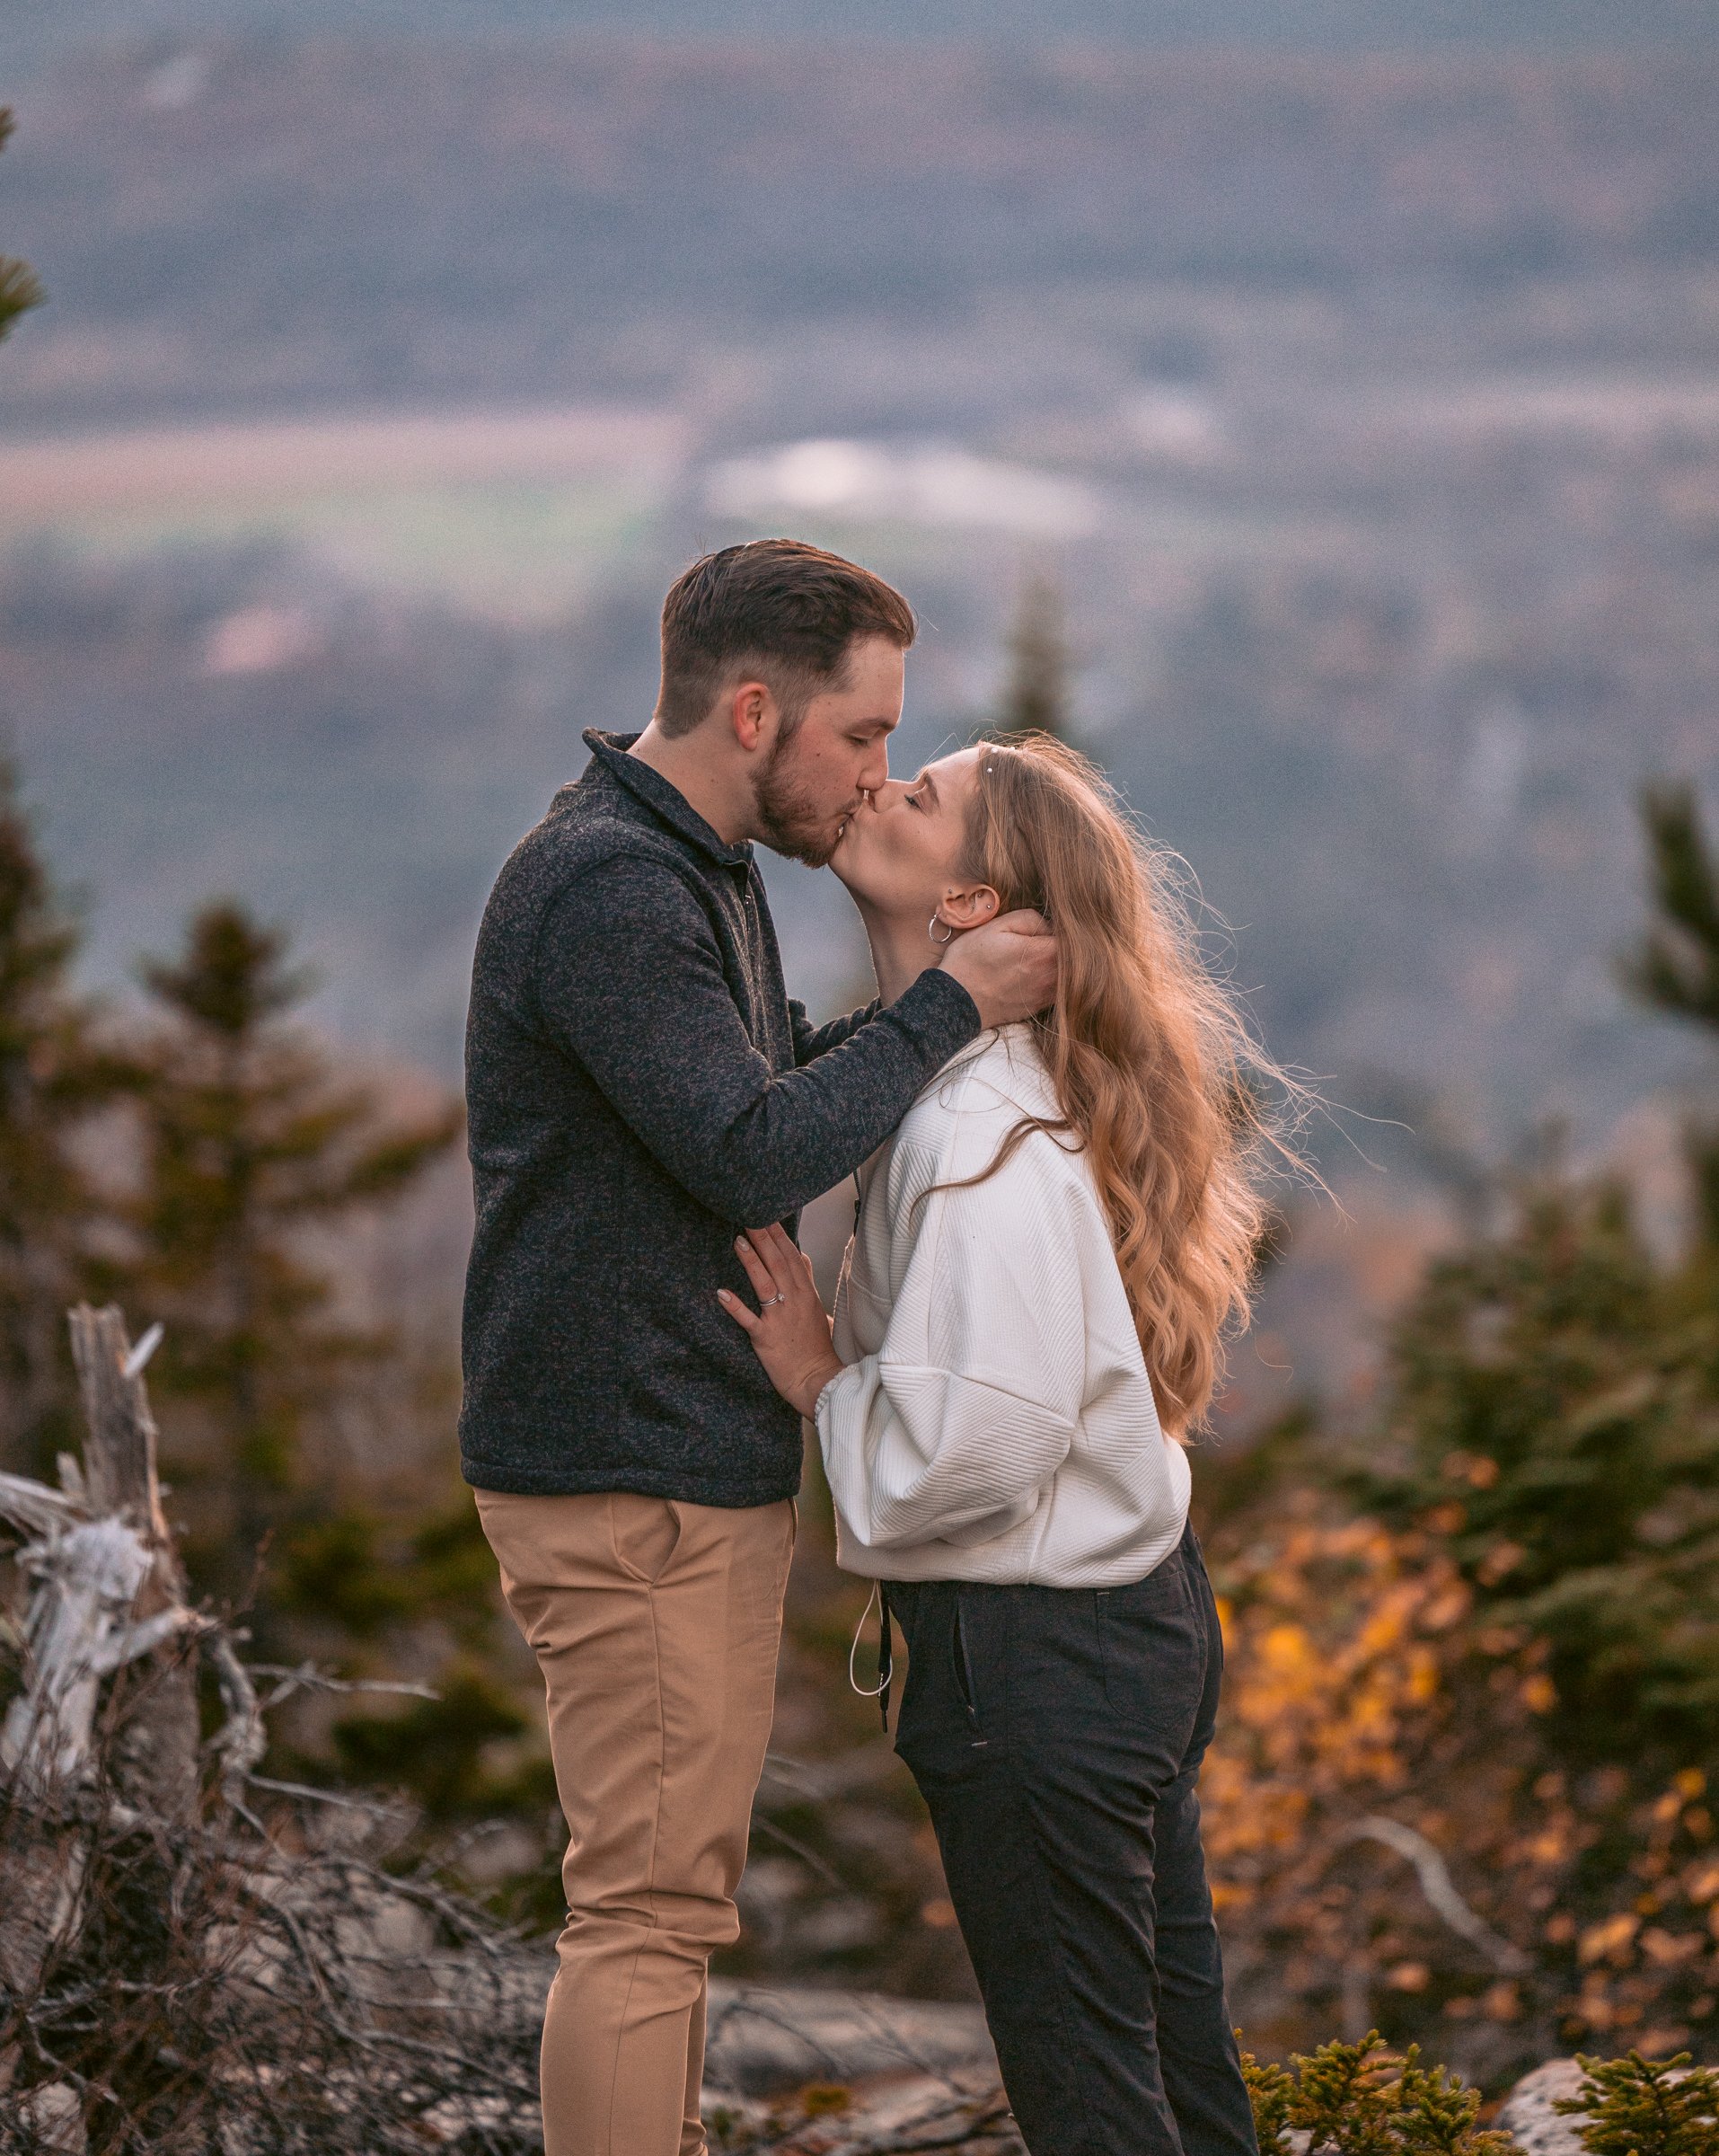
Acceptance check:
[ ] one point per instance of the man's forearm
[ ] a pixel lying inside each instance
(812, 1041)
(655, 1023)
(799, 1133)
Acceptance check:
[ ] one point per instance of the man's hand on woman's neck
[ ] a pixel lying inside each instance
(1007, 966)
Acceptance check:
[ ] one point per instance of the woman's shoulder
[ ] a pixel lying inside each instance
(992, 1082)
(957, 1148)
(1005, 1063)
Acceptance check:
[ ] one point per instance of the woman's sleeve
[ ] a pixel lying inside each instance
(950, 1431)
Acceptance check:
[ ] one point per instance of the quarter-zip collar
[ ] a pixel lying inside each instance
(665, 801)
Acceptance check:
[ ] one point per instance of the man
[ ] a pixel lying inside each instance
(640, 1091)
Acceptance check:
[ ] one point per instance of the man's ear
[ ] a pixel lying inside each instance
(968, 905)
(753, 714)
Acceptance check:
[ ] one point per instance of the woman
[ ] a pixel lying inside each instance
(1046, 1259)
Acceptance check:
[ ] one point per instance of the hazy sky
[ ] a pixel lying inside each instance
(1314, 24)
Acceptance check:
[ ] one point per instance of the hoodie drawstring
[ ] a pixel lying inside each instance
(885, 1652)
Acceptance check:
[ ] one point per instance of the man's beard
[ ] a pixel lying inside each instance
(787, 821)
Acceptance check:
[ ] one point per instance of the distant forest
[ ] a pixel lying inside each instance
(1390, 384)
(260, 221)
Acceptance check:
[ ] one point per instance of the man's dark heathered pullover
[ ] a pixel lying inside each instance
(640, 1088)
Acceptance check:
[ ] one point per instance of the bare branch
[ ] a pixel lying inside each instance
(37, 1508)
(307, 1677)
(1440, 1889)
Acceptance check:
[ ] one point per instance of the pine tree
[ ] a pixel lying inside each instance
(1271, 2091)
(55, 1077)
(1365, 2100)
(1675, 968)
(251, 1143)
(20, 288)
(1035, 696)
(1436, 2114)
(1637, 2107)
(1555, 1392)
(1344, 2095)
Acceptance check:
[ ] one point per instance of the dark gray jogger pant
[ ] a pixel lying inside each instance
(1056, 1736)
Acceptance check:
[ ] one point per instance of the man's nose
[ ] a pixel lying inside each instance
(874, 773)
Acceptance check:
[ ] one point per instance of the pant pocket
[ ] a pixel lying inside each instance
(961, 1662)
(938, 1733)
(1152, 1648)
(644, 1533)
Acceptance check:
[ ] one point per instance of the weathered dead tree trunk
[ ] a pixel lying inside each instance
(109, 1593)
(178, 1972)
(108, 1603)
(158, 1740)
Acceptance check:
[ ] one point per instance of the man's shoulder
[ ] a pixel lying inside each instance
(591, 829)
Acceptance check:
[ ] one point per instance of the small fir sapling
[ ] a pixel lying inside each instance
(1365, 2100)
(1637, 2107)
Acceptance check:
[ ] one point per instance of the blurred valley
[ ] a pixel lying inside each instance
(1365, 411)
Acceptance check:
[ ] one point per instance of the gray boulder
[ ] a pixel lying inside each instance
(1527, 2112)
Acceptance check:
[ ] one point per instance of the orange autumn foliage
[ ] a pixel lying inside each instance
(1362, 1683)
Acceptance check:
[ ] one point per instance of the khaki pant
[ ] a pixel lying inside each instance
(656, 1625)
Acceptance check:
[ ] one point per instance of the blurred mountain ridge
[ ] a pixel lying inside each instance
(256, 225)
(1366, 411)
(1309, 25)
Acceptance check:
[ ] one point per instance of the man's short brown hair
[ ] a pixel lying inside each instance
(777, 608)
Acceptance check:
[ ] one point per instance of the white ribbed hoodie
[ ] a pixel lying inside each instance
(995, 1420)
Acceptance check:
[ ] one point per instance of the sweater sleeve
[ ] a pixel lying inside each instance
(951, 1430)
(629, 978)
(812, 1041)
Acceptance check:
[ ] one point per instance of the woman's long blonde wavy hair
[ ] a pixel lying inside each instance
(1158, 1075)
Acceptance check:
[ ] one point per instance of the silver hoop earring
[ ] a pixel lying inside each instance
(941, 941)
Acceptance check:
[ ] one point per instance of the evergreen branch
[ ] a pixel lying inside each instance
(1637, 2107)
(20, 289)
(1675, 967)
(1365, 2100)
